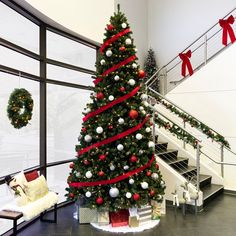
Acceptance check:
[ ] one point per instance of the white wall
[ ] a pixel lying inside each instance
(173, 25)
(87, 18)
(136, 12)
(210, 95)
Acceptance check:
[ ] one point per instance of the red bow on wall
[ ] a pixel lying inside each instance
(227, 29)
(186, 63)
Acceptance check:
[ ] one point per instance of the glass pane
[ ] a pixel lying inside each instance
(19, 148)
(63, 49)
(57, 179)
(71, 76)
(64, 119)
(17, 29)
(18, 61)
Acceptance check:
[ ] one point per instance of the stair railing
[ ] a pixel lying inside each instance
(203, 49)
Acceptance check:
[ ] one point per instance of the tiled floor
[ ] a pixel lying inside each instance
(218, 219)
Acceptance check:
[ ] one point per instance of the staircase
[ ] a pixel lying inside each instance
(180, 164)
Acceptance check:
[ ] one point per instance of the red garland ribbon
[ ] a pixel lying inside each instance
(186, 63)
(114, 38)
(111, 104)
(114, 180)
(227, 29)
(114, 138)
(115, 67)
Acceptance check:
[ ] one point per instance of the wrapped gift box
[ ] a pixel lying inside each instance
(156, 210)
(103, 217)
(133, 221)
(119, 218)
(145, 214)
(87, 215)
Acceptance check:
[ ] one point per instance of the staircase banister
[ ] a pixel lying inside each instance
(153, 108)
(154, 75)
(172, 103)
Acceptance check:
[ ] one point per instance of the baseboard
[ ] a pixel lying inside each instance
(230, 192)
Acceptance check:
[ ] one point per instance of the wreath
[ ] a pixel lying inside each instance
(20, 106)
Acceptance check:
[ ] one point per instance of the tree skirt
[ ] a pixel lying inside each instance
(126, 229)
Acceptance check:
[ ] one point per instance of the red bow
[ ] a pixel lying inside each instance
(186, 63)
(227, 29)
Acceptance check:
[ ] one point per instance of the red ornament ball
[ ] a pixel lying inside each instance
(100, 95)
(133, 114)
(99, 200)
(136, 197)
(101, 173)
(152, 193)
(157, 166)
(122, 89)
(133, 159)
(110, 127)
(86, 162)
(149, 173)
(71, 165)
(84, 129)
(110, 27)
(122, 49)
(141, 74)
(102, 157)
(71, 195)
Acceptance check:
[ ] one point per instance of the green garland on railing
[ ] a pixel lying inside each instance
(177, 131)
(193, 122)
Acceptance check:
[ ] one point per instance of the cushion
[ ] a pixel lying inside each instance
(31, 175)
(19, 179)
(36, 189)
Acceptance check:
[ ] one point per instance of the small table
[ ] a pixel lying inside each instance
(11, 215)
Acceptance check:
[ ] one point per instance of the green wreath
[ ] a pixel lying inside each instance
(19, 109)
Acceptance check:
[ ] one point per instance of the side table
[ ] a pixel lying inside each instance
(11, 215)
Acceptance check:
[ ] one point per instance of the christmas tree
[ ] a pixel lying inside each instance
(150, 67)
(116, 167)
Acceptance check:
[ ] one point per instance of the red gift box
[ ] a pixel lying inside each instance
(119, 218)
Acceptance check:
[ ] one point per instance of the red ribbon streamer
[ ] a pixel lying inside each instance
(114, 38)
(227, 30)
(186, 63)
(115, 67)
(114, 180)
(111, 104)
(114, 138)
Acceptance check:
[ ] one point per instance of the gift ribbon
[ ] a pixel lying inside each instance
(114, 38)
(227, 30)
(186, 63)
(114, 138)
(114, 180)
(115, 67)
(111, 104)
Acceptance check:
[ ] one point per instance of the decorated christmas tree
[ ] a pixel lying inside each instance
(150, 67)
(116, 167)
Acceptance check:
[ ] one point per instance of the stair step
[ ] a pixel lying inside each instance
(204, 180)
(210, 192)
(161, 147)
(168, 154)
(179, 163)
(188, 172)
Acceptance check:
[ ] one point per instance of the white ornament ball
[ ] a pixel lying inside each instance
(112, 167)
(78, 174)
(117, 77)
(128, 41)
(144, 97)
(111, 98)
(121, 121)
(120, 147)
(162, 183)
(148, 130)
(131, 82)
(87, 110)
(124, 25)
(144, 112)
(151, 144)
(131, 181)
(102, 62)
(114, 192)
(88, 194)
(87, 138)
(155, 176)
(108, 53)
(140, 151)
(135, 49)
(88, 174)
(144, 185)
(159, 197)
(99, 130)
(134, 65)
(139, 136)
(126, 167)
(141, 108)
(128, 195)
